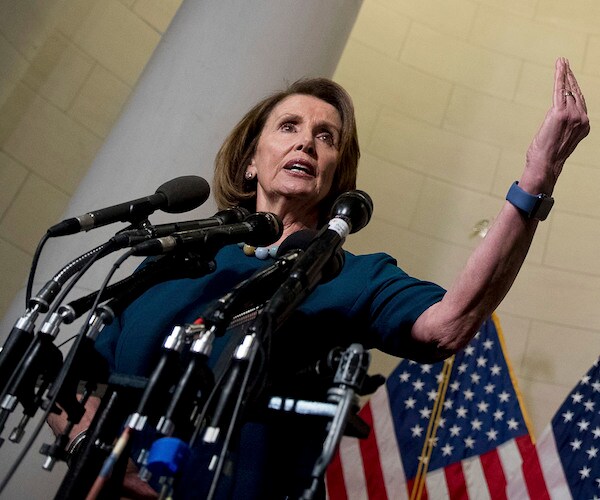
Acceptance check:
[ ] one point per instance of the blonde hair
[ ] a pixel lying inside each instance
(230, 188)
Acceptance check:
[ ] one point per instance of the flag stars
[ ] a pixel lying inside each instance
(592, 452)
(589, 405)
(482, 406)
(469, 442)
(462, 368)
(418, 385)
(575, 444)
(469, 395)
(476, 424)
(417, 431)
(489, 388)
(584, 472)
(455, 430)
(583, 425)
(498, 415)
(469, 350)
(577, 397)
(425, 413)
(504, 397)
(488, 345)
(410, 403)
(475, 378)
(432, 394)
(462, 412)
(513, 425)
(448, 404)
(568, 416)
(442, 423)
(596, 386)
(454, 386)
(426, 368)
(596, 432)
(447, 450)
(404, 376)
(481, 362)
(496, 370)
(492, 435)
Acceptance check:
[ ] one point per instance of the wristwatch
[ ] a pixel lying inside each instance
(532, 206)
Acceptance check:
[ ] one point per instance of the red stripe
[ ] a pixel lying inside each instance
(455, 479)
(410, 485)
(494, 474)
(532, 471)
(371, 459)
(334, 480)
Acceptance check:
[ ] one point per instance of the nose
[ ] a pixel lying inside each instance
(306, 143)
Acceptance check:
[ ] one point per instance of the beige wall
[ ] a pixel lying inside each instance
(448, 96)
(67, 69)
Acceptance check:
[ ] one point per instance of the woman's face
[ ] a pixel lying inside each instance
(297, 153)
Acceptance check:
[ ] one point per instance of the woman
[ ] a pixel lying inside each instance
(293, 154)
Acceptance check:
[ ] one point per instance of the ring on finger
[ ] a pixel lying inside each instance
(568, 93)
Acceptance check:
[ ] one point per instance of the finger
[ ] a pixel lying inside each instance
(559, 82)
(574, 86)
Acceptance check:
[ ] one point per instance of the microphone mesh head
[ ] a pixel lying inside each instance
(184, 193)
(355, 206)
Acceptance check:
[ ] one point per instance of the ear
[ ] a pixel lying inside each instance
(250, 171)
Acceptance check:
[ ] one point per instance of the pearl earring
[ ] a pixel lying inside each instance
(249, 175)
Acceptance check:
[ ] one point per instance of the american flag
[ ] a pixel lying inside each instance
(454, 429)
(569, 448)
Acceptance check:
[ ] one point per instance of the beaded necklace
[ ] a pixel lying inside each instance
(261, 253)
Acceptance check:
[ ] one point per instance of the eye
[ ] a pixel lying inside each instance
(327, 138)
(288, 127)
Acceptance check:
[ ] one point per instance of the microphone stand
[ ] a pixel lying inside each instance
(122, 393)
(347, 382)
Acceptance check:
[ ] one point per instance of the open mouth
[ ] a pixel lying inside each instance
(299, 166)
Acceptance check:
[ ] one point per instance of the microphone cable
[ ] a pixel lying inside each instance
(34, 264)
(50, 403)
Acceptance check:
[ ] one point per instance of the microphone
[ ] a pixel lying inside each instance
(175, 196)
(255, 290)
(131, 237)
(258, 229)
(350, 213)
(124, 292)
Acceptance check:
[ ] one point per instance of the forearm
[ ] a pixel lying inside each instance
(482, 284)
(492, 268)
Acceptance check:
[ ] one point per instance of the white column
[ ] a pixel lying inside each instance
(215, 61)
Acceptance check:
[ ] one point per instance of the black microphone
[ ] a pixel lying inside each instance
(350, 213)
(175, 196)
(258, 229)
(124, 292)
(132, 237)
(255, 290)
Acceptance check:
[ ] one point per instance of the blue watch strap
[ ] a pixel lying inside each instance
(533, 206)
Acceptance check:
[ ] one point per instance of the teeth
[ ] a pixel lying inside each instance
(297, 166)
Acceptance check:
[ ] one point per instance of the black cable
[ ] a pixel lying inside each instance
(34, 263)
(68, 361)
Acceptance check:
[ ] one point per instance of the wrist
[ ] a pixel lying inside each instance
(531, 206)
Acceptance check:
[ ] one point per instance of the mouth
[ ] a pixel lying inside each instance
(300, 166)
